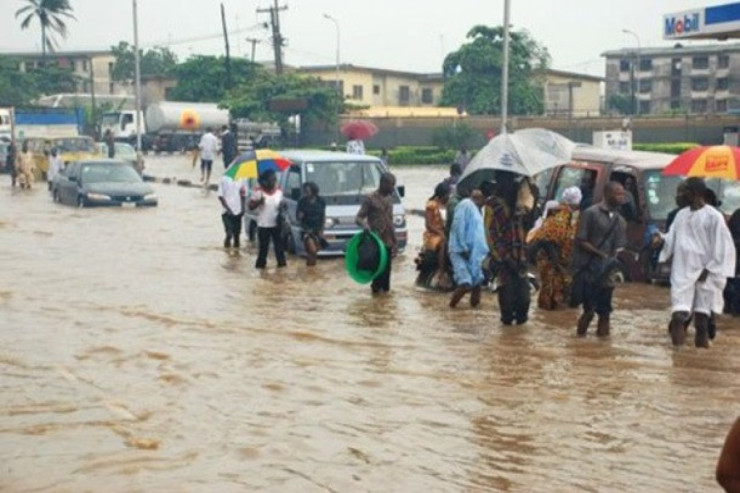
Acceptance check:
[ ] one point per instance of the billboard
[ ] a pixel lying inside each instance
(719, 22)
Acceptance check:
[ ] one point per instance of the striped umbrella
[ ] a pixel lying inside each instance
(252, 164)
(707, 162)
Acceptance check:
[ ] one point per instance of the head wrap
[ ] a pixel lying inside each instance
(572, 196)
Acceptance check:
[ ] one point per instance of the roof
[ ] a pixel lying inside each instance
(573, 75)
(59, 54)
(677, 49)
(318, 156)
(427, 76)
(636, 159)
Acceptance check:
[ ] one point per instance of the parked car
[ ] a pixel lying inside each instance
(123, 152)
(69, 149)
(102, 182)
(344, 181)
(652, 194)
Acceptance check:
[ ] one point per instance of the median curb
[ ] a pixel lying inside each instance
(179, 183)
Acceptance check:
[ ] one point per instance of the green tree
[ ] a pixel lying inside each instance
(269, 97)
(473, 73)
(202, 78)
(51, 14)
(16, 88)
(157, 61)
(621, 103)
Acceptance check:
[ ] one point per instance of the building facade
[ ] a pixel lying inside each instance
(702, 79)
(569, 94)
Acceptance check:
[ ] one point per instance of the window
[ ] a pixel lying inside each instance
(110, 68)
(376, 89)
(645, 107)
(660, 193)
(404, 95)
(646, 64)
(84, 65)
(675, 104)
(357, 92)
(676, 66)
(700, 62)
(646, 86)
(624, 87)
(427, 96)
(127, 119)
(675, 89)
(624, 65)
(721, 106)
(574, 176)
(293, 180)
(111, 88)
(699, 84)
(699, 106)
(723, 61)
(723, 84)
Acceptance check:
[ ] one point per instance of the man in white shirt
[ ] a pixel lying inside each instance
(208, 150)
(231, 195)
(703, 253)
(56, 165)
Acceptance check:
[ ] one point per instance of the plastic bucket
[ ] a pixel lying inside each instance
(351, 256)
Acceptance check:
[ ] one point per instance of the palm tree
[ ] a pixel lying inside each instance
(50, 14)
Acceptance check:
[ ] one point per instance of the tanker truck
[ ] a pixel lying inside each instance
(168, 126)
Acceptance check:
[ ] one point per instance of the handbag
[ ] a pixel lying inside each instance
(587, 279)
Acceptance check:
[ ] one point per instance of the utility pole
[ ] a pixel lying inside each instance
(228, 51)
(93, 108)
(137, 71)
(505, 71)
(254, 42)
(277, 39)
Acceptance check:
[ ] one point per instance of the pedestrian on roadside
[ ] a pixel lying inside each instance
(311, 214)
(468, 248)
(435, 238)
(208, 149)
(10, 163)
(601, 235)
(231, 195)
(110, 143)
(728, 466)
(455, 174)
(25, 167)
(703, 257)
(56, 165)
(228, 145)
(376, 215)
(267, 200)
(462, 158)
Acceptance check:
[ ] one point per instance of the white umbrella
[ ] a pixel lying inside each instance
(525, 152)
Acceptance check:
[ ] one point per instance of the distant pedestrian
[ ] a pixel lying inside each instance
(455, 174)
(601, 235)
(728, 466)
(311, 214)
(376, 215)
(435, 238)
(208, 149)
(231, 195)
(10, 163)
(703, 257)
(228, 145)
(56, 165)
(110, 143)
(25, 167)
(266, 200)
(384, 158)
(462, 158)
(468, 249)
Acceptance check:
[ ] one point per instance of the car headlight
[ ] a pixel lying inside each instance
(97, 196)
(151, 196)
(399, 220)
(330, 222)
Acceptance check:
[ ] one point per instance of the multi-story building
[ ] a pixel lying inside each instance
(701, 79)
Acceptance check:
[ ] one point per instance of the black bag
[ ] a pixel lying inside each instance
(592, 275)
(368, 253)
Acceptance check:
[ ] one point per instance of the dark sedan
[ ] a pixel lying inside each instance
(102, 183)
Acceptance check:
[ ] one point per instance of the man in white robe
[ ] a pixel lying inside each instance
(703, 253)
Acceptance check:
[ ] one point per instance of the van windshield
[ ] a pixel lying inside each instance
(660, 193)
(344, 178)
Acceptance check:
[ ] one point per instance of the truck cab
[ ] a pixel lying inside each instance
(123, 125)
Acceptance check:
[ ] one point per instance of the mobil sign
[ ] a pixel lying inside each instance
(682, 24)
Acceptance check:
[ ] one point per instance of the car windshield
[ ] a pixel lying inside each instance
(109, 173)
(74, 145)
(344, 178)
(110, 119)
(660, 193)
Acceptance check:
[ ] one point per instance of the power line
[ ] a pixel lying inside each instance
(277, 38)
(208, 37)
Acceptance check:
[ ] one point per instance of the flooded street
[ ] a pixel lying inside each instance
(136, 355)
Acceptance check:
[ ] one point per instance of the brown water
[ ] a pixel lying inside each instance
(136, 355)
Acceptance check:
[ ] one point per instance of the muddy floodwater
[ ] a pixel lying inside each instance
(136, 355)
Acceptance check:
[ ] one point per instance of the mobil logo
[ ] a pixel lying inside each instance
(681, 25)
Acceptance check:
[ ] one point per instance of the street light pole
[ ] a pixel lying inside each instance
(505, 70)
(336, 78)
(138, 84)
(635, 78)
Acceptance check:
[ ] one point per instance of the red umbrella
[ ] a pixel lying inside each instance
(707, 162)
(359, 129)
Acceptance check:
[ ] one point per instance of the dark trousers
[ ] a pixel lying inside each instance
(232, 228)
(597, 299)
(264, 235)
(513, 299)
(383, 281)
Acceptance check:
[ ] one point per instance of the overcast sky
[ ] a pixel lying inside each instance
(409, 35)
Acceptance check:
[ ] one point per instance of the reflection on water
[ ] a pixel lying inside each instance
(137, 355)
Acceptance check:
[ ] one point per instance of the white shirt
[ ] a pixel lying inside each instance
(231, 192)
(208, 147)
(55, 166)
(267, 213)
(355, 147)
